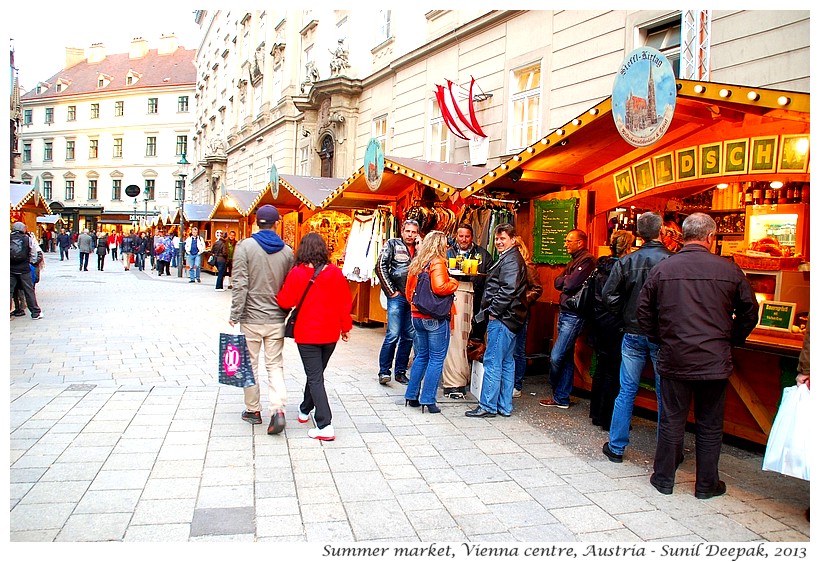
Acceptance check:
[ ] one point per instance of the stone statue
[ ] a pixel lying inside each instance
(340, 59)
(311, 74)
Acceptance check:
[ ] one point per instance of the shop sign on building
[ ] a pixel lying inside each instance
(643, 97)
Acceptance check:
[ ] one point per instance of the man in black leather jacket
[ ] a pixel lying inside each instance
(620, 295)
(391, 270)
(504, 309)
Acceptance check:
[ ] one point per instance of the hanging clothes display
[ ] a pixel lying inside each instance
(369, 232)
(484, 217)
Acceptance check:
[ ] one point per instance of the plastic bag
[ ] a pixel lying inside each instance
(235, 361)
(788, 448)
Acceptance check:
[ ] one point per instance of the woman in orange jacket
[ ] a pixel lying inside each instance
(432, 334)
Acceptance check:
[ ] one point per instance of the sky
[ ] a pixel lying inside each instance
(39, 46)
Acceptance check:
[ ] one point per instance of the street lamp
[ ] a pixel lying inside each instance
(183, 163)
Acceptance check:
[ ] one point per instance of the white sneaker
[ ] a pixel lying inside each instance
(324, 434)
(516, 393)
(220, 290)
(303, 418)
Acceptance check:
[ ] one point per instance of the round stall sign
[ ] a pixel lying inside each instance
(374, 164)
(274, 182)
(132, 190)
(643, 97)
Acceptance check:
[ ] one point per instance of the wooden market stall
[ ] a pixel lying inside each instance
(407, 186)
(26, 204)
(733, 151)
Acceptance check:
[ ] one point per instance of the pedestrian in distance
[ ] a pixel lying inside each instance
(194, 246)
(261, 264)
(64, 242)
(504, 311)
(220, 253)
(391, 270)
(697, 305)
(620, 295)
(324, 317)
(86, 245)
(128, 248)
(165, 253)
(102, 250)
(432, 335)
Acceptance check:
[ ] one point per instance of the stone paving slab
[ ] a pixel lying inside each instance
(132, 445)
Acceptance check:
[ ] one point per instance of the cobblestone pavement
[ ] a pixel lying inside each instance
(120, 432)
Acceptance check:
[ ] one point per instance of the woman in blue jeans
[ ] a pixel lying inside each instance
(432, 334)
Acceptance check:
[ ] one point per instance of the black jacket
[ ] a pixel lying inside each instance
(391, 269)
(505, 292)
(624, 285)
(605, 324)
(574, 275)
(696, 305)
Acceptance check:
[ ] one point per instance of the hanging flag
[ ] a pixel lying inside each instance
(453, 117)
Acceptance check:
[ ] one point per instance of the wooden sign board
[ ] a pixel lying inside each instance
(775, 315)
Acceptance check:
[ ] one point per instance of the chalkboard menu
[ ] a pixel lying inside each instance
(553, 220)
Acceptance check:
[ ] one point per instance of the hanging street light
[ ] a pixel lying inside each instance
(183, 163)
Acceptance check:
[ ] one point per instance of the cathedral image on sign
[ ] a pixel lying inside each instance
(641, 113)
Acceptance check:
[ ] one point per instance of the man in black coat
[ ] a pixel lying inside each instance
(697, 305)
(504, 309)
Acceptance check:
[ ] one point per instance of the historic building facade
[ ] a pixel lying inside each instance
(106, 122)
(307, 89)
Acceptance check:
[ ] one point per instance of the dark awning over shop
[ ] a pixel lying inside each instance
(588, 151)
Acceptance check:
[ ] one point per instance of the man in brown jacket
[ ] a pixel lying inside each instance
(261, 264)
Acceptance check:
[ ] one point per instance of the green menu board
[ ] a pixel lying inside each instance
(553, 220)
(777, 315)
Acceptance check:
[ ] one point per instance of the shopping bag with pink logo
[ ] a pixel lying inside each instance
(235, 361)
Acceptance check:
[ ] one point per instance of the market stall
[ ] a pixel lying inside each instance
(733, 151)
(407, 188)
(26, 205)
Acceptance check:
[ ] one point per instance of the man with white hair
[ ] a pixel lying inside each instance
(86, 244)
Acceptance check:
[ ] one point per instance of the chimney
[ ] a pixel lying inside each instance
(167, 44)
(96, 53)
(139, 48)
(73, 55)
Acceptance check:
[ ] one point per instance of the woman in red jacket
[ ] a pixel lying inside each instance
(323, 317)
(432, 335)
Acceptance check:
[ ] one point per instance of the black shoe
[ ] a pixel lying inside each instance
(191, 281)
(384, 378)
(277, 423)
(432, 408)
(718, 490)
(500, 413)
(252, 417)
(665, 490)
(401, 378)
(479, 412)
(614, 457)
(19, 313)
(412, 403)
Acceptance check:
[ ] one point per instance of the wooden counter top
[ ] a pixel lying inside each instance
(788, 344)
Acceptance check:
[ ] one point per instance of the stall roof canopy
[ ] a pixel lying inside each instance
(589, 149)
(50, 219)
(234, 202)
(297, 192)
(196, 212)
(24, 194)
(401, 174)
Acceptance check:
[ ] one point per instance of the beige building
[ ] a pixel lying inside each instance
(307, 89)
(108, 121)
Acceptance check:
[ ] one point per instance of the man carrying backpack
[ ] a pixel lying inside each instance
(23, 252)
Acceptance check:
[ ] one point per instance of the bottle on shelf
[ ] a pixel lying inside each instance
(748, 198)
(757, 193)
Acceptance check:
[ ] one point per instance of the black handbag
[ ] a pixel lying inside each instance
(290, 323)
(581, 301)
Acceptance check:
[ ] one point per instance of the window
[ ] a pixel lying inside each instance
(116, 190)
(667, 39)
(151, 146)
(525, 107)
(117, 147)
(304, 153)
(383, 26)
(93, 148)
(49, 115)
(72, 113)
(249, 184)
(119, 108)
(48, 154)
(129, 80)
(26, 152)
(95, 111)
(92, 190)
(182, 145)
(47, 189)
(69, 150)
(153, 105)
(179, 187)
(439, 136)
(182, 104)
(69, 190)
(149, 189)
(380, 131)
(27, 116)
(100, 83)
(59, 87)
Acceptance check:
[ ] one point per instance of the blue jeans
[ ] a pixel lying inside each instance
(174, 257)
(139, 261)
(562, 356)
(399, 337)
(195, 263)
(221, 265)
(432, 338)
(635, 351)
(520, 355)
(499, 370)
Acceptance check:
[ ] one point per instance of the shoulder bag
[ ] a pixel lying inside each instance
(427, 302)
(581, 301)
(290, 323)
